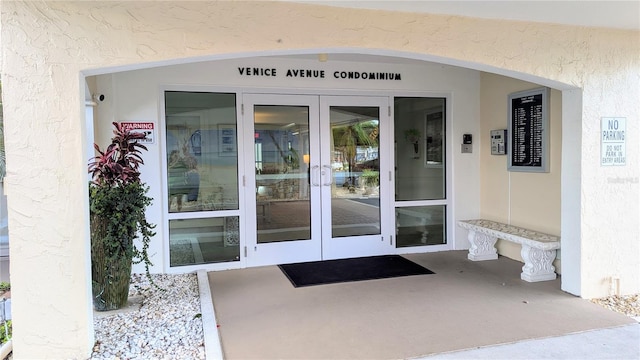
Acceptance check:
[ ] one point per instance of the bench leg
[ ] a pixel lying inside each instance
(537, 264)
(482, 246)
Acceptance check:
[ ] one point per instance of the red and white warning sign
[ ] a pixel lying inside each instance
(147, 128)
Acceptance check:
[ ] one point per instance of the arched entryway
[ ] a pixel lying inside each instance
(320, 73)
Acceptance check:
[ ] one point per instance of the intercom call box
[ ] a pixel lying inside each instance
(498, 142)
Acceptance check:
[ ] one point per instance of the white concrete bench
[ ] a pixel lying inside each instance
(538, 249)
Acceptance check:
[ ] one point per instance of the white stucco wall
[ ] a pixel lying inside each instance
(610, 208)
(46, 46)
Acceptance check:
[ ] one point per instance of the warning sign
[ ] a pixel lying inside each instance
(612, 139)
(147, 128)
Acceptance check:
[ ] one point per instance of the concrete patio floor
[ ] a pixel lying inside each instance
(464, 305)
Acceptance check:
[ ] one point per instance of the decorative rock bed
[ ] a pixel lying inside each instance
(628, 305)
(167, 325)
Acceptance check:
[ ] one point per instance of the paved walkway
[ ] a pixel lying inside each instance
(619, 343)
(464, 305)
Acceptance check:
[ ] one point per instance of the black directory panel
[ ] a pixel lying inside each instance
(528, 130)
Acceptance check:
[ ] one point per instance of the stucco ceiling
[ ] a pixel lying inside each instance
(610, 14)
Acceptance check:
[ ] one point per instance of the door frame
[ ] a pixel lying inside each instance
(361, 245)
(321, 246)
(242, 211)
(292, 251)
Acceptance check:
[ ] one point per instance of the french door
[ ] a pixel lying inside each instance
(318, 181)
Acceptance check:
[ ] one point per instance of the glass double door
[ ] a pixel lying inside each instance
(318, 175)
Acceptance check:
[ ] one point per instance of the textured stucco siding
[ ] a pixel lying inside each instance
(46, 47)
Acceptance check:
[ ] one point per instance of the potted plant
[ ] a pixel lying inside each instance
(117, 212)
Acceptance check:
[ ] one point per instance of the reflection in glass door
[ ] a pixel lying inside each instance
(355, 194)
(281, 140)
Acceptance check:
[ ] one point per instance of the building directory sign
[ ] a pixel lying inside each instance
(613, 146)
(527, 131)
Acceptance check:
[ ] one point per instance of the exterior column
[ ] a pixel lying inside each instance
(48, 212)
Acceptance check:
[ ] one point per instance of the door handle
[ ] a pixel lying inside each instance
(315, 175)
(328, 167)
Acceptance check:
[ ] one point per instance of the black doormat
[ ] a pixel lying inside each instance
(355, 269)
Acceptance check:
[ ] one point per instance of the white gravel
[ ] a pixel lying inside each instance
(628, 304)
(167, 325)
